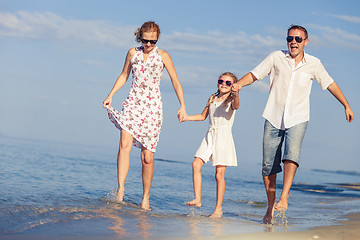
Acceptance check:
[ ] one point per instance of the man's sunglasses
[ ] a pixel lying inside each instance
(228, 83)
(145, 41)
(298, 39)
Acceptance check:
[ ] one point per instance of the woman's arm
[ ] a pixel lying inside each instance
(121, 80)
(175, 82)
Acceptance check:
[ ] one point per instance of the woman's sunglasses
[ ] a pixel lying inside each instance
(298, 39)
(145, 41)
(228, 83)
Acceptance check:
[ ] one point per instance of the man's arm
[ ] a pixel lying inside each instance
(337, 93)
(247, 79)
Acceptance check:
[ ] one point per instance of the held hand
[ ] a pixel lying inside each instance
(234, 92)
(184, 119)
(349, 114)
(181, 114)
(107, 103)
(236, 87)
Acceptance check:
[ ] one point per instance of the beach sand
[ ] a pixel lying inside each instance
(344, 230)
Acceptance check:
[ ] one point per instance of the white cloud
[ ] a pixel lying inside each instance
(351, 19)
(50, 26)
(238, 49)
(335, 38)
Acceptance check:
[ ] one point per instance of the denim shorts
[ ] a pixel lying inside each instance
(272, 145)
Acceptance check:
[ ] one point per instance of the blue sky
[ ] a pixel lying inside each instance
(59, 60)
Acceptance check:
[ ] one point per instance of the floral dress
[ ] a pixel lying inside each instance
(142, 113)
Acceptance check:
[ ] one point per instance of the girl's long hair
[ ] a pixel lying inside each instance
(230, 97)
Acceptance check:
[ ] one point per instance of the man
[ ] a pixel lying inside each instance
(287, 110)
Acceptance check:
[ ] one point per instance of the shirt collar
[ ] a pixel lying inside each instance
(287, 55)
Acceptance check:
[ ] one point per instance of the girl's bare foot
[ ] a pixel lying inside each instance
(216, 214)
(194, 203)
(119, 195)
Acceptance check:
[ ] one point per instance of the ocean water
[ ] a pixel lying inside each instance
(58, 189)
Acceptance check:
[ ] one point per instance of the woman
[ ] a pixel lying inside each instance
(141, 117)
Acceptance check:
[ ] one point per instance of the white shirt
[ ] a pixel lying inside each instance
(289, 96)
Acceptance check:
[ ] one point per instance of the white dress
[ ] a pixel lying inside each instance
(218, 144)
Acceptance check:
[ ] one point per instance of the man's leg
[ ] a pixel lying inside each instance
(272, 142)
(293, 140)
(289, 173)
(270, 187)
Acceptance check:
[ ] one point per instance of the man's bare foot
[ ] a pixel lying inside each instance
(145, 204)
(268, 218)
(194, 203)
(119, 195)
(282, 205)
(216, 214)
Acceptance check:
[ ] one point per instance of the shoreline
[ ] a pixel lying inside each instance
(343, 230)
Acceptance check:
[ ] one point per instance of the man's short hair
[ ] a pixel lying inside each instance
(298, 27)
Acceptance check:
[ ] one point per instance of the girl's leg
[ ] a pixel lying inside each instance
(123, 162)
(220, 191)
(197, 181)
(148, 168)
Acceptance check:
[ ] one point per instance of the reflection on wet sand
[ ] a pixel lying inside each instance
(112, 213)
(200, 227)
(143, 225)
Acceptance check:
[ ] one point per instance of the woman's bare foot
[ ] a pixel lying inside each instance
(194, 203)
(145, 204)
(268, 218)
(216, 214)
(119, 195)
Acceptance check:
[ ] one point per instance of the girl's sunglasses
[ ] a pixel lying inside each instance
(297, 39)
(145, 41)
(228, 83)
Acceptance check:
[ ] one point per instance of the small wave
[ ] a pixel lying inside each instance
(351, 186)
(337, 190)
(169, 161)
(352, 173)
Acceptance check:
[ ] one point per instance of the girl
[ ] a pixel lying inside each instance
(218, 145)
(141, 117)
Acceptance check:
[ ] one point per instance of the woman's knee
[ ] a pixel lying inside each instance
(125, 145)
(126, 141)
(147, 157)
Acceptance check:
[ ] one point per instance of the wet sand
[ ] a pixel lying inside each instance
(344, 230)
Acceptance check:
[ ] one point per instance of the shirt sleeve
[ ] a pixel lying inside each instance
(322, 76)
(262, 70)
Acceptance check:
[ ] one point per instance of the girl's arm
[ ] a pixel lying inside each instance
(198, 117)
(121, 80)
(175, 82)
(235, 102)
